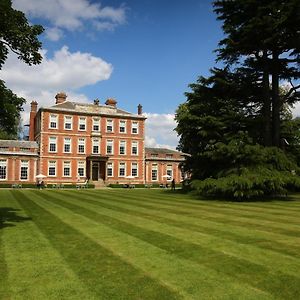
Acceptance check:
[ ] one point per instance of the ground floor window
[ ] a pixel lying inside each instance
(52, 168)
(121, 169)
(67, 168)
(109, 169)
(3, 169)
(134, 169)
(154, 173)
(81, 169)
(24, 169)
(169, 172)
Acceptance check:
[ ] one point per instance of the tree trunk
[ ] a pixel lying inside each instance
(276, 105)
(267, 126)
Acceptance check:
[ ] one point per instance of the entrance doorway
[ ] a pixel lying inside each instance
(95, 171)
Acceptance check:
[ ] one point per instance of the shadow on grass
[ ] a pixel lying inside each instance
(9, 216)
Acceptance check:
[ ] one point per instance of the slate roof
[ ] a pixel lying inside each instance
(163, 151)
(90, 108)
(18, 144)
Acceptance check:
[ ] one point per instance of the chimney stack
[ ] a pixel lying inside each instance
(140, 109)
(33, 112)
(111, 102)
(60, 97)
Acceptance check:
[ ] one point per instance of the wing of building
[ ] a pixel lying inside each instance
(72, 142)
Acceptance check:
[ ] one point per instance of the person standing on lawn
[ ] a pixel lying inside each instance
(173, 185)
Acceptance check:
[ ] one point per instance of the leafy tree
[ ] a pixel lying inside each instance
(264, 35)
(21, 38)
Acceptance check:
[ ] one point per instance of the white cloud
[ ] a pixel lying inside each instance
(72, 15)
(160, 131)
(66, 71)
(54, 34)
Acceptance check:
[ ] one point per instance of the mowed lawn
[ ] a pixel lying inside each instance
(146, 244)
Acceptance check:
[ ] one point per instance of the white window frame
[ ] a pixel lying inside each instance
(67, 165)
(154, 167)
(110, 122)
(110, 166)
(95, 143)
(24, 164)
(81, 142)
(110, 143)
(96, 122)
(122, 163)
(134, 144)
(135, 125)
(3, 167)
(52, 164)
(123, 126)
(137, 169)
(68, 143)
(51, 120)
(68, 122)
(169, 172)
(81, 165)
(51, 142)
(122, 144)
(82, 121)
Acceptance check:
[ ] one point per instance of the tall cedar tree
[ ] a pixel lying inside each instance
(264, 35)
(17, 36)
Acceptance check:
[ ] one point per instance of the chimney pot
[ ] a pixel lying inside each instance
(140, 109)
(33, 106)
(60, 97)
(111, 102)
(96, 101)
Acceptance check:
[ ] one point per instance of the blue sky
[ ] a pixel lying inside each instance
(134, 51)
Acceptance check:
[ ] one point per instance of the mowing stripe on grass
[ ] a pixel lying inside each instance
(194, 279)
(4, 208)
(35, 269)
(241, 269)
(102, 272)
(248, 223)
(186, 223)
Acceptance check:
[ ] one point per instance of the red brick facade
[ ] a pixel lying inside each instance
(99, 143)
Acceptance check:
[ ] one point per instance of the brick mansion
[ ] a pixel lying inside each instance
(72, 142)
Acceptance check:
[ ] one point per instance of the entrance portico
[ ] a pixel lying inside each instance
(96, 167)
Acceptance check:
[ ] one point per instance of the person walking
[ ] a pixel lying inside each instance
(173, 185)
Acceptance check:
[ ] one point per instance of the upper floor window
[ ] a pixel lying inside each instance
(81, 145)
(109, 147)
(52, 144)
(169, 156)
(95, 146)
(82, 124)
(53, 121)
(154, 155)
(67, 145)
(24, 169)
(68, 123)
(134, 148)
(109, 126)
(122, 147)
(96, 124)
(122, 128)
(3, 169)
(134, 127)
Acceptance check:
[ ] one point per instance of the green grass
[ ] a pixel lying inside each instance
(146, 244)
